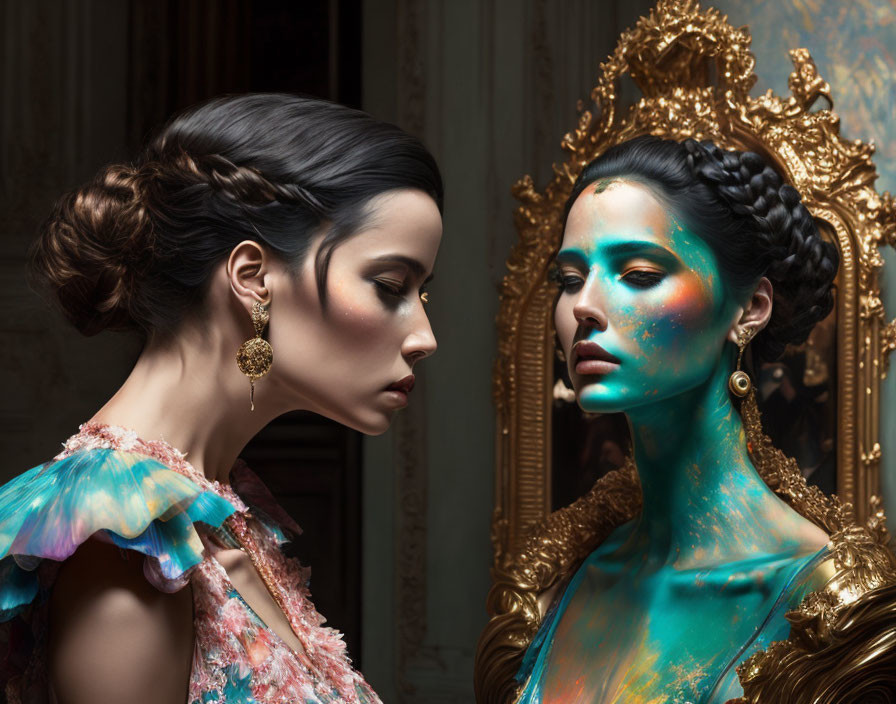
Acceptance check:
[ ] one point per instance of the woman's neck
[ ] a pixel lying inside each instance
(191, 394)
(703, 502)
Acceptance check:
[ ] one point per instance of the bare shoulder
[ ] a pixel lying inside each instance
(113, 637)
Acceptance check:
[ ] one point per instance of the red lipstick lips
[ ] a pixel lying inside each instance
(405, 385)
(398, 391)
(592, 359)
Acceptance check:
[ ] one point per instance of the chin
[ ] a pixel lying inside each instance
(377, 429)
(365, 417)
(375, 424)
(590, 405)
(596, 398)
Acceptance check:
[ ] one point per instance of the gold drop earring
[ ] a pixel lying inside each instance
(739, 382)
(255, 355)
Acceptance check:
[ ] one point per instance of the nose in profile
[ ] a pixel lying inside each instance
(420, 343)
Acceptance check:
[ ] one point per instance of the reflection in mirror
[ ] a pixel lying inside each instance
(796, 395)
(798, 405)
(819, 402)
(585, 445)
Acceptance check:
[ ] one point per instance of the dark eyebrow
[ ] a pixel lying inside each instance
(577, 258)
(639, 247)
(572, 256)
(416, 267)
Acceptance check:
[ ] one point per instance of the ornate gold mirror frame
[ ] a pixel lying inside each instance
(695, 72)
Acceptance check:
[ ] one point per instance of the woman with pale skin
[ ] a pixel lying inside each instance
(143, 563)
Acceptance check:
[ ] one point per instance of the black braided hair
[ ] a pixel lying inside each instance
(135, 249)
(755, 223)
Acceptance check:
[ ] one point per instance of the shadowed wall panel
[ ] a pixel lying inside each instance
(490, 86)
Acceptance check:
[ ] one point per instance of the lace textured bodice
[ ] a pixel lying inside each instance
(146, 497)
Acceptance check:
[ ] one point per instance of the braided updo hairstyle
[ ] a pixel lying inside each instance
(135, 249)
(755, 224)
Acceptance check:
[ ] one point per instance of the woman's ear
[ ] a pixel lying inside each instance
(757, 312)
(246, 268)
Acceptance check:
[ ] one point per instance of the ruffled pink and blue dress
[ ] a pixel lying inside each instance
(144, 497)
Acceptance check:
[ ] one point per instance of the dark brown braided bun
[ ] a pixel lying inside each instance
(136, 248)
(799, 263)
(92, 249)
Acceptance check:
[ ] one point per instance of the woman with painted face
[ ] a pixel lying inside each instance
(272, 251)
(675, 257)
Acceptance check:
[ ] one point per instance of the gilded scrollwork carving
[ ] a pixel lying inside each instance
(550, 555)
(695, 72)
(849, 662)
(842, 643)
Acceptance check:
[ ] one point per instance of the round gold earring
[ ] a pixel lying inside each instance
(739, 382)
(255, 355)
(424, 296)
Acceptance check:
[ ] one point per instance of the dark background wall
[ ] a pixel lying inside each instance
(491, 86)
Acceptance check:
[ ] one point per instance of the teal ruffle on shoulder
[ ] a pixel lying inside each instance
(133, 500)
(264, 506)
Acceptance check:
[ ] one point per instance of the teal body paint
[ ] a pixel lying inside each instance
(668, 605)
